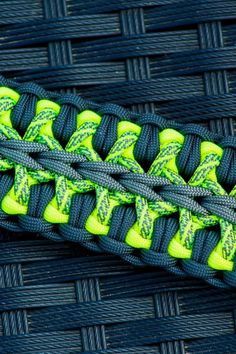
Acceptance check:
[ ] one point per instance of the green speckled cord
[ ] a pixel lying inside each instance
(117, 180)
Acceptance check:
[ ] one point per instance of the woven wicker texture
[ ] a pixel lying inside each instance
(175, 58)
(54, 299)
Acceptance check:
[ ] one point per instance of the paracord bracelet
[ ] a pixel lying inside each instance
(153, 191)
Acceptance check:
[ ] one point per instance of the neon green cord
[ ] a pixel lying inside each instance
(122, 153)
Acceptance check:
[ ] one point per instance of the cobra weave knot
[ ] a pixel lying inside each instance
(114, 180)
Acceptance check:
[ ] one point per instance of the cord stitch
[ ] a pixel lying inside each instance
(42, 156)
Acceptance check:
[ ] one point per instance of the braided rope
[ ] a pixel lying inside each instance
(161, 193)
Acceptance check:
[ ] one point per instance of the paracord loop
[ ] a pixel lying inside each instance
(114, 181)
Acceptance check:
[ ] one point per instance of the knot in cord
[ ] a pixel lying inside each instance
(86, 170)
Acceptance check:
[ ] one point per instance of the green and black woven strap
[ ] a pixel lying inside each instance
(152, 191)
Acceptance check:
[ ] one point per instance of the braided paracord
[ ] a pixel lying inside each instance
(153, 191)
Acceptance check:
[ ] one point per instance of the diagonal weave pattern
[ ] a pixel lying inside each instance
(54, 149)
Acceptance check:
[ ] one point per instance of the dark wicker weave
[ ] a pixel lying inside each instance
(55, 299)
(175, 58)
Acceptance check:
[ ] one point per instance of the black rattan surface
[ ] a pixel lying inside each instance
(175, 58)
